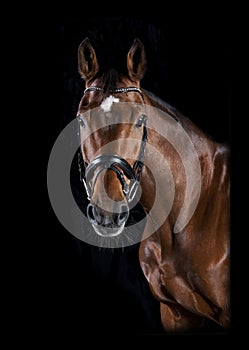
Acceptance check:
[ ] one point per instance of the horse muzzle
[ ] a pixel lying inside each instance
(107, 224)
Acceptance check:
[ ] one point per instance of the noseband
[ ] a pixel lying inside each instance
(89, 172)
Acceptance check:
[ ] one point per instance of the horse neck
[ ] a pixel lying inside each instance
(206, 149)
(210, 156)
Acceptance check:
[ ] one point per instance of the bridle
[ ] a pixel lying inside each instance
(116, 91)
(89, 172)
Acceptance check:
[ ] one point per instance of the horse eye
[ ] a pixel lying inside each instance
(141, 120)
(81, 120)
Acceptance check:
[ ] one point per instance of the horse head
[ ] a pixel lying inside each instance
(110, 176)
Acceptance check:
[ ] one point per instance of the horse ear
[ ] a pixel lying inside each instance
(136, 61)
(87, 60)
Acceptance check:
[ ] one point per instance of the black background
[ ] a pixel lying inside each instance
(94, 290)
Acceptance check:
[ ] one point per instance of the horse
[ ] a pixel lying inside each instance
(184, 247)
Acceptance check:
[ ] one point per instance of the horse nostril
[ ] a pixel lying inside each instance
(90, 214)
(94, 215)
(123, 216)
